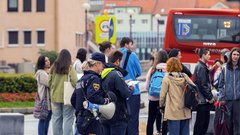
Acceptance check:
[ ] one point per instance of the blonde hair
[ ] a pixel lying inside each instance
(88, 64)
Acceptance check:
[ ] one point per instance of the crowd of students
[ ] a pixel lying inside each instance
(104, 78)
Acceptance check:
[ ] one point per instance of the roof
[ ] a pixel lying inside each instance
(163, 6)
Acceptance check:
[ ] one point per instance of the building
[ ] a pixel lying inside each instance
(29, 25)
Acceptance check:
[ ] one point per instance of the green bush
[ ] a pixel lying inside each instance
(17, 83)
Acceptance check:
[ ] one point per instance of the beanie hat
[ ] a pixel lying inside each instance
(98, 57)
(173, 52)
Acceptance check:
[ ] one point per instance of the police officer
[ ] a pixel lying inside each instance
(89, 88)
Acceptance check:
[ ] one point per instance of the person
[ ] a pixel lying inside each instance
(229, 87)
(217, 66)
(171, 96)
(106, 48)
(80, 58)
(177, 53)
(202, 80)
(113, 81)
(62, 115)
(89, 88)
(153, 106)
(132, 64)
(216, 70)
(41, 75)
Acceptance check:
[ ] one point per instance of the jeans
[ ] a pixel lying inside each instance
(234, 117)
(43, 124)
(178, 127)
(116, 128)
(153, 114)
(62, 119)
(134, 104)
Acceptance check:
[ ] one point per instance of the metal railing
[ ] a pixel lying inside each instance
(145, 42)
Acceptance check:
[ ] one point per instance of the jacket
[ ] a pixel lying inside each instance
(42, 84)
(202, 80)
(133, 68)
(229, 83)
(186, 71)
(88, 88)
(171, 96)
(161, 66)
(56, 84)
(113, 81)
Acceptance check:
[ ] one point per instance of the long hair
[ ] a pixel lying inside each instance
(161, 57)
(230, 61)
(82, 54)
(40, 63)
(62, 63)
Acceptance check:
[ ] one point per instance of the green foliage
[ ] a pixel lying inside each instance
(17, 83)
(16, 104)
(52, 55)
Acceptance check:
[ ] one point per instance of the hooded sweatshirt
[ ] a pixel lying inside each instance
(161, 66)
(171, 96)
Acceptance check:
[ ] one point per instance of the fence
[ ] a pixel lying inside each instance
(145, 42)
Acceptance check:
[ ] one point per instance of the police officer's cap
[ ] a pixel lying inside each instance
(98, 57)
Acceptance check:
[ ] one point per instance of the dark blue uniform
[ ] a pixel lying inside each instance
(88, 87)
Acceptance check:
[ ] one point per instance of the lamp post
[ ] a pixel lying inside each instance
(86, 7)
(130, 12)
(158, 16)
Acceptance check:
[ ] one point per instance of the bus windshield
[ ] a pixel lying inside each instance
(210, 28)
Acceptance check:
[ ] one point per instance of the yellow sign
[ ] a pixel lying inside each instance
(105, 29)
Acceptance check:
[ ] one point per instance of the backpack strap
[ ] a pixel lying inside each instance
(126, 60)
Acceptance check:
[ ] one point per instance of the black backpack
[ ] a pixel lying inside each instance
(190, 96)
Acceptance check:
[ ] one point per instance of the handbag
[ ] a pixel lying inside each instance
(41, 106)
(68, 91)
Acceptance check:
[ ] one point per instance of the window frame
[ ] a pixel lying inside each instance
(40, 9)
(25, 6)
(24, 38)
(12, 9)
(44, 37)
(13, 44)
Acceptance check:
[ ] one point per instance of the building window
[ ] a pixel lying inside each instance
(27, 37)
(120, 21)
(144, 21)
(13, 37)
(12, 5)
(27, 5)
(40, 5)
(40, 37)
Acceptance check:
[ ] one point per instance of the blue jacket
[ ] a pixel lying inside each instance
(133, 68)
(229, 84)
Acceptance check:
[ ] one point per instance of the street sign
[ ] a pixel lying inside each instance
(105, 29)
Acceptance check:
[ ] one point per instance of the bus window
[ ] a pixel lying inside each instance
(202, 28)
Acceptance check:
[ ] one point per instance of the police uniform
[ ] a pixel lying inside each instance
(89, 87)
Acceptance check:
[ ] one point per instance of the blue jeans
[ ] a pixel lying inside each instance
(134, 105)
(178, 127)
(116, 128)
(62, 119)
(43, 124)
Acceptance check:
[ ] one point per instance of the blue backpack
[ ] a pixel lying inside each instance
(156, 83)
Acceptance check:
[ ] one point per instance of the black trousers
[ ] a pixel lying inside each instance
(153, 114)
(202, 119)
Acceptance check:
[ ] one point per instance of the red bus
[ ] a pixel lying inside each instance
(191, 29)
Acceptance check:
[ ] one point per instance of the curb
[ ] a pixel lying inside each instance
(28, 110)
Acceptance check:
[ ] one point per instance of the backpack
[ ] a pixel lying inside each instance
(190, 96)
(156, 83)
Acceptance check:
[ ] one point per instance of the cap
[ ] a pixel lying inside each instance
(98, 57)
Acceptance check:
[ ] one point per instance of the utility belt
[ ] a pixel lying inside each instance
(87, 118)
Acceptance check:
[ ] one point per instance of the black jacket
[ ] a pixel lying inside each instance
(113, 81)
(186, 71)
(202, 80)
(88, 87)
